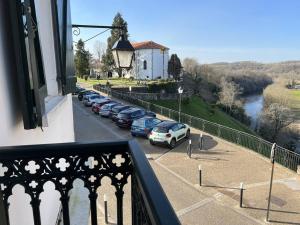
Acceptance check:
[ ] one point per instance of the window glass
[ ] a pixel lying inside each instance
(175, 127)
(155, 121)
(145, 64)
(138, 123)
(161, 129)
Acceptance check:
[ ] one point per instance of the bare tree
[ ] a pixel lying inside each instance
(228, 94)
(275, 118)
(191, 66)
(99, 51)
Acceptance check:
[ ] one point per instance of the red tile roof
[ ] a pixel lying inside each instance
(148, 45)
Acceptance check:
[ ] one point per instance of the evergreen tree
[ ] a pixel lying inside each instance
(107, 58)
(81, 59)
(174, 66)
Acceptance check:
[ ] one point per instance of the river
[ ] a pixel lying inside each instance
(253, 105)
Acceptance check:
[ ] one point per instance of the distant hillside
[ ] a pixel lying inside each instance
(280, 69)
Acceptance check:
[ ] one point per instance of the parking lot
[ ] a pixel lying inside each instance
(224, 166)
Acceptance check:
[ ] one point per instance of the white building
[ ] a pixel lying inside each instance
(151, 61)
(36, 78)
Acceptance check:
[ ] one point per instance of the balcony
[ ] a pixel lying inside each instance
(33, 166)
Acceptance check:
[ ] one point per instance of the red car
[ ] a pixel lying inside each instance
(97, 106)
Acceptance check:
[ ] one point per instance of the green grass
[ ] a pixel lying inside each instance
(198, 108)
(277, 92)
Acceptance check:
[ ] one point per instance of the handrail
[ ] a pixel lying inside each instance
(156, 201)
(33, 165)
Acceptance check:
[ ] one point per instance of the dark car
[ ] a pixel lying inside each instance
(85, 92)
(115, 111)
(126, 117)
(143, 126)
(78, 90)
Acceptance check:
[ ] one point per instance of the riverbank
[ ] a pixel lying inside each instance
(277, 92)
(198, 108)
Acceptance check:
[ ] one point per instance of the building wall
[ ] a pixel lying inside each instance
(157, 64)
(59, 113)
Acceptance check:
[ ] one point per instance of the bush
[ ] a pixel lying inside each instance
(169, 87)
(238, 113)
(185, 101)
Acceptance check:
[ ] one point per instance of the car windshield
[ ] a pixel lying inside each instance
(94, 97)
(105, 107)
(138, 123)
(123, 115)
(161, 129)
(117, 109)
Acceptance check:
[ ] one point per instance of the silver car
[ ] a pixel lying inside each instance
(91, 99)
(106, 109)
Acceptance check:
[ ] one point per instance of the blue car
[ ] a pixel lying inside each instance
(143, 126)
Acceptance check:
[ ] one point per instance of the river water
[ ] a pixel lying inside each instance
(253, 105)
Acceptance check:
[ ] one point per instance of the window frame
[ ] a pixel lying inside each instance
(29, 63)
(63, 44)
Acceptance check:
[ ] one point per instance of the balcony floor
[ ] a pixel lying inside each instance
(224, 166)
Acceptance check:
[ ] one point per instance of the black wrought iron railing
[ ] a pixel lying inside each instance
(33, 166)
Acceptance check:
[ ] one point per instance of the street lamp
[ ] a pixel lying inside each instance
(180, 91)
(123, 53)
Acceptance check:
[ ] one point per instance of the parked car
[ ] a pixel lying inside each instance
(126, 117)
(168, 133)
(97, 106)
(86, 96)
(106, 109)
(77, 90)
(143, 126)
(85, 92)
(115, 111)
(91, 99)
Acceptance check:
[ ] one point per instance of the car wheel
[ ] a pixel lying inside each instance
(151, 142)
(173, 143)
(133, 135)
(188, 134)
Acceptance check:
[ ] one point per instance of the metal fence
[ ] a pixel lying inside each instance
(283, 156)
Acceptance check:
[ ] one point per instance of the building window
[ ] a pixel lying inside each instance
(145, 64)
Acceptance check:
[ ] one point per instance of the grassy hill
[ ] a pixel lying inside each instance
(198, 108)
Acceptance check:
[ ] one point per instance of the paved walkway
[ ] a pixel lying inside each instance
(224, 166)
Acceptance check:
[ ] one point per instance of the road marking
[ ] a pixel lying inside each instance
(279, 181)
(193, 207)
(217, 195)
(175, 174)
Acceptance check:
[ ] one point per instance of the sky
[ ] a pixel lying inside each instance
(208, 30)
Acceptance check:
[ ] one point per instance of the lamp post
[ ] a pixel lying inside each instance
(180, 91)
(123, 53)
(272, 158)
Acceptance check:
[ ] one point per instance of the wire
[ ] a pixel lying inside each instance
(94, 36)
